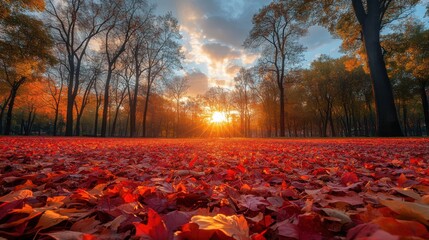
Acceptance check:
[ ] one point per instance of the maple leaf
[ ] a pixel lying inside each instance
(252, 202)
(233, 226)
(287, 229)
(155, 227)
(16, 195)
(49, 219)
(349, 178)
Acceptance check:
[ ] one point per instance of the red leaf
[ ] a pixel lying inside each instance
(349, 178)
(193, 161)
(155, 227)
(241, 168)
(230, 174)
(401, 180)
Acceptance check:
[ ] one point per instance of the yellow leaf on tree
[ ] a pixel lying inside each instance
(233, 226)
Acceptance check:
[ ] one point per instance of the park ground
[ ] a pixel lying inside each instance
(91, 188)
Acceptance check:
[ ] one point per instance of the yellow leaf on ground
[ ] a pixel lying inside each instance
(233, 226)
(49, 219)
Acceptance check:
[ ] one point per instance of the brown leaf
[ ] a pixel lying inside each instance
(16, 195)
(409, 210)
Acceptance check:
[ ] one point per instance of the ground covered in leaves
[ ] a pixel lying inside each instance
(87, 188)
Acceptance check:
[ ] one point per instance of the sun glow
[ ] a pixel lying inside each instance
(218, 117)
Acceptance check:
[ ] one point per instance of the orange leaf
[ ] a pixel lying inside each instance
(49, 219)
(155, 227)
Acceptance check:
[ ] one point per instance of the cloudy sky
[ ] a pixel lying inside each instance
(214, 31)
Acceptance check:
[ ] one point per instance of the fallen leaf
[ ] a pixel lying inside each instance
(344, 218)
(409, 210)
(49, 219)
(17, 195)
(233, 226)
(155, 227)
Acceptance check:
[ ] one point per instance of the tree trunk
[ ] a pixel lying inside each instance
(133, 110)
(387, 118)
(404, 118)
(106, 103)
(115, 118)
(282, 111)
(77, 128)
(146, 105)
(10, 110)
(97, 109)
(56, 121)
(425, 104)
(70, 98)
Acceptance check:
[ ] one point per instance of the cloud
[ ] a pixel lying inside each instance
(233, 69)
(220, 83)
(198, 82)
(214, 31)
(229, 31)
(219, 52)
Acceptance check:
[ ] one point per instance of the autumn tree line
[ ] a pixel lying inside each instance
(91, 68)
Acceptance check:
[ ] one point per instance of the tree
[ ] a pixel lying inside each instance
(135, 56)
(243, 96)
(176, 90)
(408, 56)
(8, 7)
(371, 16)
(276, 28)
(55, 90)
(25, 51)
(119, 32)
(161, 54)
(74, 24)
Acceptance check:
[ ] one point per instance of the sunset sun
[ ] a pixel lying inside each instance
(218, 117)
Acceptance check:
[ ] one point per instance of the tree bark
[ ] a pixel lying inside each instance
(387, 119)
(56, 121)
(70, 97)
(146, 105)
(8, 126)
(425, 105)
(282, 112)
(14, 91)
(106, 103)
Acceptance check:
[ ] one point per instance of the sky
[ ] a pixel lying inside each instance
(213, 34)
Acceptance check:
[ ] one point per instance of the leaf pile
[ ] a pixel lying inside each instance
(86, 188)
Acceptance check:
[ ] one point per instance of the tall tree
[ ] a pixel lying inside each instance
(75, 23)
(25, 51)
(371, 16)
(119, 32)
(55, 90)
(176, 90)
(243, 96)
(408, 54)
(276, 28)
(161, 54)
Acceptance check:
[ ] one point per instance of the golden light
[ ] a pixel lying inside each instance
(218, 117)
